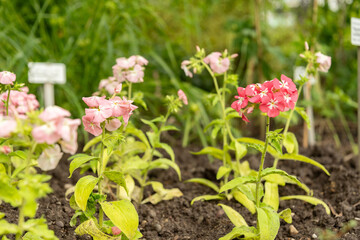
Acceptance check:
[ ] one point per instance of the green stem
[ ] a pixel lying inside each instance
(129, 90)
(100, 172)
(257, 197)
(21, 221)
(7, 103)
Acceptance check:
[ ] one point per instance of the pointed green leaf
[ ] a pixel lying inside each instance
(83, 188)
(286, 215)
(9, 193)
(308, 199)
(205, 182)
(91, 228)
(291, 144)
(269, 223)
(20, 154)
(78, 161)
(240, 150)
(168, 149)
(117, 177)
(216, 122)
(91, 143)
(234, 216)
(167, 162)
(222, 171)
(301, 111)
(207, 198)
(245, 201)
(138, 133)
(169, 128)
(270, 149)
(151, 124)
(123, 215)
(302, 158)
(8, 228)
(271, 196)
(242, 232)
(275, 178)
(236, 182)
(215, 152)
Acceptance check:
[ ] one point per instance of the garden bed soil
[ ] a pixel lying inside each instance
(177, 219)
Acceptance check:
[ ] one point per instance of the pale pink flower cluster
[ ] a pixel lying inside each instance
(111, 85)
(7, 126)
(57, 127)
(218, 64)
(20, 103)
(273, 97)
(130, 69)
(182, 96)
(7, 77)
(102, 110)
(323, 61)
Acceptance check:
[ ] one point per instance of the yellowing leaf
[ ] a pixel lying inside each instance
(83, 188)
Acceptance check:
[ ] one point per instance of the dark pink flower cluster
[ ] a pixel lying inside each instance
(130, 69)
(102, 110)
(20, 103)
(273, 97)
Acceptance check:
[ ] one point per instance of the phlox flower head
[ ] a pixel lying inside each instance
(20, 103)
(217, 63)
(182, 96)
(273, 97)
(323, 61)
(129, 69)
(7, 126)
(110, 85)
(7, 77)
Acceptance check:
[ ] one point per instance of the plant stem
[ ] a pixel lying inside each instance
(129, 90)
(21, 221)
(7, 103)
(100, 172)
(257, 197)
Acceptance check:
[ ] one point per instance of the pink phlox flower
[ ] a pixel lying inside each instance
(90, 126)
(272, 104)
(135, 75)
(69, 135)
(126, 63)
(285, 84)
(261, 92)
(119, 73)
(47, 133)
(182, 96)
(290, 99)
(19, 103)
(242, 100)
(49, 158)
(109, 85)
(7, 126)
(113, 124)
(323, 61)
(100, 113)
(5, 149)
(140, 60)
(217, 63)
(93, 101)
(7, 77)
(53, 113)
(184, 66)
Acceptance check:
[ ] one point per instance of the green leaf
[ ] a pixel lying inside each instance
(207, 198)
(236, 182)
(151, 124)
(163, 194)
(91, 228)
(216, 122)
(9, 193)
(291, 144)
(242, 232)
(232, 115)
(20, 154)
(78, 161)
(268, 171)
(215, 152)
(38, 228)
(215, 132)
(83, 188)
(123, 214)
(153, 138)
(240, 151)
(205, 182)
(269, 149)
(275, 178)
(302, 158)
(301, 111)
(222, 171)
(167, 162)
(169, 128)
(271, 196)
(4, 158)
(117, 177)
(139, 134)
(286, 215)
(245, 201)
(308, 199)
(234, 216)
(8, 228)
(31, 236)
(269, 223)
(91, 143)
(168, 149)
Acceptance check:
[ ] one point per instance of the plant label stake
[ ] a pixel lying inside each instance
(47, 74)
(355, 40)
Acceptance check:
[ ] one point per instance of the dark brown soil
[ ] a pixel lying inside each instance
(177, 219)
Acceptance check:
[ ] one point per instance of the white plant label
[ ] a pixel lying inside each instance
(54, 73)
(355, 31)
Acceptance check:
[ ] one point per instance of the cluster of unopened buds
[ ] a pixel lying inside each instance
(273, 97)
(129, 69)
(106, 111)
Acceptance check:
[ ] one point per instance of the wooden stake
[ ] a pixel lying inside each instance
(358, 89)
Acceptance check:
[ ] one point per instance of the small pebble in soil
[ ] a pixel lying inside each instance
(152, 213)
(158, 227)
(293, 230)
(314, 236)
(220, 212)
(60, 224)
(200, 219)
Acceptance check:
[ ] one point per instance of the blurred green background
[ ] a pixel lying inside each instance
(89, 35)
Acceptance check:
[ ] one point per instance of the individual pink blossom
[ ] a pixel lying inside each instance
(323, 61)
(93, 101)
(182, 96)
(135, 75)
(90, 126)
(285, 84)
(139, 60)
(49, 158)
(262, 92)
(115, 231)
(52, 113)
(290, 100)
(110, 85)
(47, 133)
(122, 107)
(69, 135)
(126, 63)
(7, 77)
(119, 73)
(118, 88)
(101, 112)
(272, 104)
(5, 149)
(113, 124)
(184, 66)
(241, 101)
(217, 63)
(7, 126)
